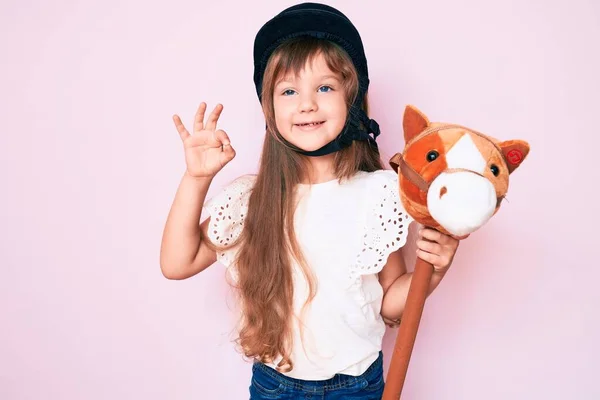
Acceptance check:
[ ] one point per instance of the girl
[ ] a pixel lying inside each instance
(313, 241)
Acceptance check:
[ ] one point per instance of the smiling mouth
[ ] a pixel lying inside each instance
(308, 124)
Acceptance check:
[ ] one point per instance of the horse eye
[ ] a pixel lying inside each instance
(432, 155)
(495, 170)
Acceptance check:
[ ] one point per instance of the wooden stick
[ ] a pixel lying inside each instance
(409, 324)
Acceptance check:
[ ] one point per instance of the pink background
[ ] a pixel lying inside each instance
(90, 162)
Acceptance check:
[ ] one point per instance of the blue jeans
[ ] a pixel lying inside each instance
(268, 384)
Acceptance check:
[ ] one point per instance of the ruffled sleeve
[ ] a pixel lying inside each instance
(386, 225)
(227, 211)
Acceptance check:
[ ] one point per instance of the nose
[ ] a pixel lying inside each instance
(443, 191)
(307, 103)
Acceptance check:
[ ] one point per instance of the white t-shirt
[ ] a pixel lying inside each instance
(346, 232)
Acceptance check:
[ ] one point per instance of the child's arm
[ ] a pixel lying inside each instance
(396, 284)
(184, 252)
(438, 249)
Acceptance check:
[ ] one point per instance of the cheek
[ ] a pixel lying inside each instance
(281, 125)
(281, 115)
(340, 121)
(282, 108)
(338, 105)
(337, 109)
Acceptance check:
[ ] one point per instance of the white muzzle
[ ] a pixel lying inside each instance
(462, 201)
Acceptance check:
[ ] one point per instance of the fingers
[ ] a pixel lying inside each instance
(211, 123)
(430, 247)
(430, 234)
(199, 118)
(222, 137)
(228, 153)
(433, 253)
(183, 133)
(392, 323)
(436, 248)
(432, 259)
(437, 236)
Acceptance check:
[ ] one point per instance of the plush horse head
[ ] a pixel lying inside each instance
(453, 178)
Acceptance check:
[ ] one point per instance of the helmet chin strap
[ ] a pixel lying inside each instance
(358, 127)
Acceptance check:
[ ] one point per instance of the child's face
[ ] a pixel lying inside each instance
(310, 109)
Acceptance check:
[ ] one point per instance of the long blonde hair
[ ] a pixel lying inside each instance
(268, 243)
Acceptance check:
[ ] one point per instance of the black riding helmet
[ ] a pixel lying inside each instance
(322, 22)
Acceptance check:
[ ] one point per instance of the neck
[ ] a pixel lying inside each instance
(320, 169)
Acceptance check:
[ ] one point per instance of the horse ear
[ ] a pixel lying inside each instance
(514, 152)
(414, 123)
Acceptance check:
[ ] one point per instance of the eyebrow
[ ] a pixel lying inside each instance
(330, 77)
(290, 78)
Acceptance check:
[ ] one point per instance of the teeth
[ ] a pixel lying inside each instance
(311, 124)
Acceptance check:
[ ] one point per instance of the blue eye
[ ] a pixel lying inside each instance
(289, 92)
(325, 89)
